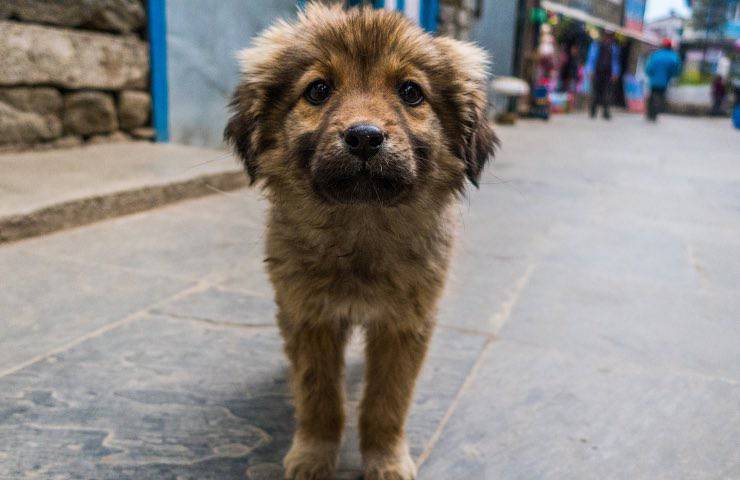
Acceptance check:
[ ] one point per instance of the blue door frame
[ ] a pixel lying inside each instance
(428, 15)
(429, 10)
(157, 26)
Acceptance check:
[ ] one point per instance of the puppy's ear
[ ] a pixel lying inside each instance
(466, 92)
(266, 69)
(479, 144)
(240, 131)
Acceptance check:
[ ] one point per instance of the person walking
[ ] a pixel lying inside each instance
(603, 67)
(569, 70)
(718, 95)
(662, 65)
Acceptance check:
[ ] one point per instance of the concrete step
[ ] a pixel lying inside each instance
(41, 192)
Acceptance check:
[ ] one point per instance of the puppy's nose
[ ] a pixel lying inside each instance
(364, 140)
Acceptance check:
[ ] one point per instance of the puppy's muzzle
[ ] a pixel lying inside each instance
(362, 168)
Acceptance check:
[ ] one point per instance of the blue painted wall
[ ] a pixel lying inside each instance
(202, 39)
(495, 31)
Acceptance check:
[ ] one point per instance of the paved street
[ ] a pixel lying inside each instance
(590, 330)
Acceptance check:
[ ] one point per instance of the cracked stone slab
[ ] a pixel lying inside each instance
(547, 414)
(172, 398)
(50, 302)
(158, 397)
(474, 297)
(217, 305)
(716, 261)
(580, 311)
(632, 254)
(250, 276)
(170, 241)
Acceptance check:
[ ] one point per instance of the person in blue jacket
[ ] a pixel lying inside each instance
(662, 65)
(603, 67)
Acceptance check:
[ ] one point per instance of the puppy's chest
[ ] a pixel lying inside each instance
(362, 257)
(367, 257)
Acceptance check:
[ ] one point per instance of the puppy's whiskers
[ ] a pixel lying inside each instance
(508, 183)
(224, 156)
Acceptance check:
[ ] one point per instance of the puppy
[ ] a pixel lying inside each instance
(362, 130)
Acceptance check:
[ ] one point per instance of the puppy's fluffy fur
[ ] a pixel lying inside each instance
(355, 241)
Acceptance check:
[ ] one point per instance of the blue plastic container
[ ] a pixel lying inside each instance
(540, 107)
(736, 103)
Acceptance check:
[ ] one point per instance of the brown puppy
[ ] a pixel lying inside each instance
(362, 130)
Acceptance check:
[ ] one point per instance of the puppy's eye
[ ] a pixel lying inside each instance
(317, 92)
(410, 93)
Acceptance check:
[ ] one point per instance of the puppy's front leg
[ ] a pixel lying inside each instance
(316, 352)
(394, 358)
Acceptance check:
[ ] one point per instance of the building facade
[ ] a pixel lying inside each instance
(112, 70)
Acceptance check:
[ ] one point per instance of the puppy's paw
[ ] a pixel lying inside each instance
(394, 465)
(308, 460)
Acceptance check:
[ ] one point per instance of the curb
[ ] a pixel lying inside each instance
(88, 210)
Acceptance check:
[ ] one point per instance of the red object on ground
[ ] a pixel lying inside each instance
(636, 105)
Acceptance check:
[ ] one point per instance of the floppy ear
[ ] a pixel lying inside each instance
(479, 143)
(240, 130)
(473, 138)
(264, 69)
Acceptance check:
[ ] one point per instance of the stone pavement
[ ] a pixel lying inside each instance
(591, 327)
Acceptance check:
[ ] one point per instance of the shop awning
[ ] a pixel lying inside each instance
(584, 17)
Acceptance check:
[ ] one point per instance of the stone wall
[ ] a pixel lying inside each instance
(73, 71)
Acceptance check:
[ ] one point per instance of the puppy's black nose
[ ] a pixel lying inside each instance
(364, 140)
